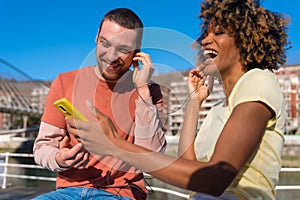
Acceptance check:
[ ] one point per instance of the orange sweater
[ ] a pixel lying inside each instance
(119, 102)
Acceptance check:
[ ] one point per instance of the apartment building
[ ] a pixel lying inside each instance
(288, 77)
(177, 103)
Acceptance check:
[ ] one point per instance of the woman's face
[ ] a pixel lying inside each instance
(220, 52)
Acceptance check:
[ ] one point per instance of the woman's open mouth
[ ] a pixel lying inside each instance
(210, 54)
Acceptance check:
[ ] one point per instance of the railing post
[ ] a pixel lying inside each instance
(5, 170)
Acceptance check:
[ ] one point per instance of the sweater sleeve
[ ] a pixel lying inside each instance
(148, 129)
(51, 131)
(260, 86)
(46, 146)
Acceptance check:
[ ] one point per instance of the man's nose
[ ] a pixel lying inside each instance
(112, 54)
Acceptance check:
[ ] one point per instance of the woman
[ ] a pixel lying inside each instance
(237, 151)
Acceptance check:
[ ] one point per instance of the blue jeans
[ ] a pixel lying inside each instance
(72, 193)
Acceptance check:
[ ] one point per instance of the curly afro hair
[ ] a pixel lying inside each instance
(260, 34)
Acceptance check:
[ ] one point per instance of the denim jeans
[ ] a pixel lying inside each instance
(72, 193)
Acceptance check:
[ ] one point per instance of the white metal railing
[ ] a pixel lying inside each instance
(289, 187)
(18, 131)
(168, 191)
(6, 164)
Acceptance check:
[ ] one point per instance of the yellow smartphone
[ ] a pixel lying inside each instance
(69, 110)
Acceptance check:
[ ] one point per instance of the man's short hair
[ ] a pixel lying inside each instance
(125, 18)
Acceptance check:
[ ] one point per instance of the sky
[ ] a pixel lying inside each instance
(45, 38)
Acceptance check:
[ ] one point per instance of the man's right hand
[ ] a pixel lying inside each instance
(72, 156)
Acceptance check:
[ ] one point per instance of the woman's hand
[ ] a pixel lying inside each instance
(197, 87)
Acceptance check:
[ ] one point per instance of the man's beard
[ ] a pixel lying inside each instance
(112, 75)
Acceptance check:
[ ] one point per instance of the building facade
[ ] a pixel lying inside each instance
(288, 78)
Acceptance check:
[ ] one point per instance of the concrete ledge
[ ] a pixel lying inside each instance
(292, 139)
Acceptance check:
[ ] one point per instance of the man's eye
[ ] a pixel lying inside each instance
(104, 43)
(124, 50)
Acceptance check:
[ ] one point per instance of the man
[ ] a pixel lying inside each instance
(127, 97)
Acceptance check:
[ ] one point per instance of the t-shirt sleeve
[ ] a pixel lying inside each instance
(260, 86)
(148, 129)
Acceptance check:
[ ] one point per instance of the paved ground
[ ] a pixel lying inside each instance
(21, 193)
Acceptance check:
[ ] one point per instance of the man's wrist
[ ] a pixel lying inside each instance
(143, 91)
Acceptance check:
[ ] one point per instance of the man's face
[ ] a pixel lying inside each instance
(115, 49)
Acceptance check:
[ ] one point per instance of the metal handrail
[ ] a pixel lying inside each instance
(16, 131)
(6, 164)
